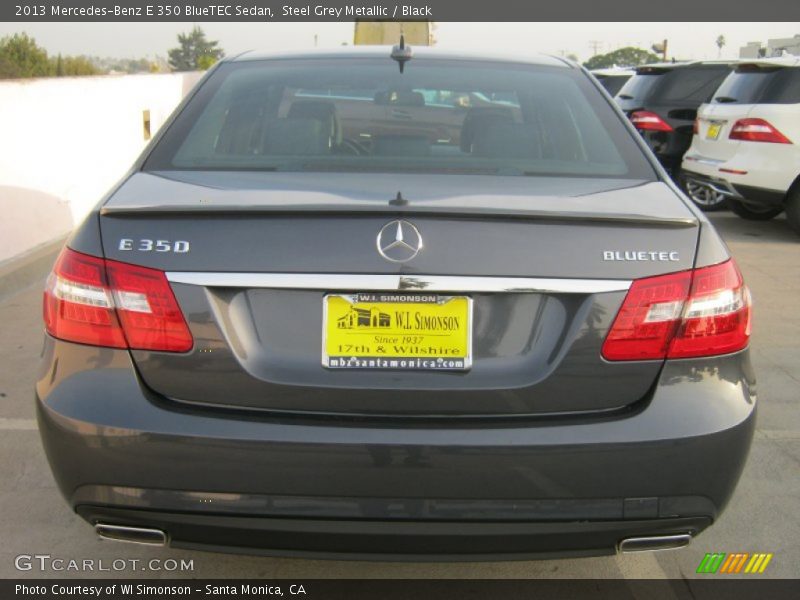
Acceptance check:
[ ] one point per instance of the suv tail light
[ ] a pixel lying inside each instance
(704, 312)
(645, 120)
(757, 130)
(107, 303)
(696, 127)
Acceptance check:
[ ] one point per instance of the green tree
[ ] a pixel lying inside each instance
(78, 65)
(194, 52)
(624, 57)
(206, 61)
(20, 56)
(721, 41)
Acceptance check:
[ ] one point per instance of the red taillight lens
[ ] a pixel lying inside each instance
(716, 318)
(704, 312)
(77, 304)
(757, 130)
(147, 309)
(696, 127)
(108, 303)
(649, 121)
(648, 318)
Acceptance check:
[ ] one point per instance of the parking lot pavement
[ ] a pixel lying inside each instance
(762, 516)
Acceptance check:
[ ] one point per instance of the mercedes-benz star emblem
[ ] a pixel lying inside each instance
(399, 241)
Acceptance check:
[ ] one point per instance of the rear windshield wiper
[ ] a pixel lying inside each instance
(725, 99)
(625, 96)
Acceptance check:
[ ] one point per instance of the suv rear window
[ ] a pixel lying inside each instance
(760, 85)
(638, 87)
(692, 85)
(363, 114)
(672, 85)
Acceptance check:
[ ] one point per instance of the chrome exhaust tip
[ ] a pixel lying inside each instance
(134, 535)
(694, 186)
(654, 542)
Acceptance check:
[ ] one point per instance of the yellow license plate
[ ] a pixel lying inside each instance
(394, 330)
(713, 131)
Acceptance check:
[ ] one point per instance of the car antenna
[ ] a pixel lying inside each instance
(398, 201)
(402, 53)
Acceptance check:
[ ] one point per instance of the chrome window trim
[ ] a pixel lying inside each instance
(380, 283)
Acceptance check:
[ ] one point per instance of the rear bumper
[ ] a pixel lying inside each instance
(718, 184)
(736, 190)
(577, 486)
(392, 540)
(757, 173)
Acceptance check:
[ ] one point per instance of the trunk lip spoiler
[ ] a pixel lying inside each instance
(396, 282)
(416, 211)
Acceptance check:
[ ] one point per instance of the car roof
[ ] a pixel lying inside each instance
(419, 52)
(614, 71)
(662, 66)
(777, 61)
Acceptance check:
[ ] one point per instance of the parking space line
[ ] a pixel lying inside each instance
(777, 435)
(18, 424)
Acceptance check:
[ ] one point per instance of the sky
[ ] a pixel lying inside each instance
(136, 40)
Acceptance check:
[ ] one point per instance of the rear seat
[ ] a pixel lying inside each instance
(401, 145)
(507, 140)
(493, 133)
(322, 111)
(479, 119)
(296, 137)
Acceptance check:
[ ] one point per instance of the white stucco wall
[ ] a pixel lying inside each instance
(65, 141)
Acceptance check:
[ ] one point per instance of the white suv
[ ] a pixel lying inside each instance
(746, 143)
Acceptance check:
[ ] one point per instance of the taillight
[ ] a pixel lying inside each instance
(704, 312)
(78, 305)
(648, 318)
(107, 303)
(649, 121)
(696, 127)
(757, 130)
(716, 317)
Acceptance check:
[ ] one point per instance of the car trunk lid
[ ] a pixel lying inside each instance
(544, 264)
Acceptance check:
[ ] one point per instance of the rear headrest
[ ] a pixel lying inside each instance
(293, 137)
(507, 140)
(322, 111)
(480, 119)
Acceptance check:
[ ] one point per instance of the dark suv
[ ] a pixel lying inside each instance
(662, 101)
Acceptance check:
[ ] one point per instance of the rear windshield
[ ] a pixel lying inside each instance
(691, 85)
(639, 86)
(365, 115)
(759, 85)
(681, 85)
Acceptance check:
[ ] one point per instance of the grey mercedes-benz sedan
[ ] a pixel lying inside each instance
(400, 304)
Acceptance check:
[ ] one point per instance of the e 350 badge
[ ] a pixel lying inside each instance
(144, 245)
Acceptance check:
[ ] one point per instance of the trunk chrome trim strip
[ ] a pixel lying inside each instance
(380, 283)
